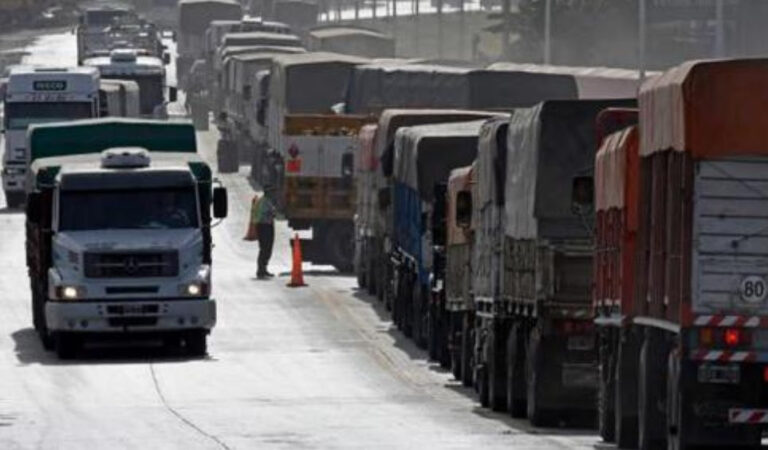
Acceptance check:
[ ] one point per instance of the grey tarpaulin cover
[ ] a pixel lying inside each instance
(504, 89)
(196, 15)
(317, 81)
(549, 145)
(426, 154)
(392, 119)
(260, 38)
(378, 86)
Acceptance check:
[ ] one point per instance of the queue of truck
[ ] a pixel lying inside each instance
(580, 246)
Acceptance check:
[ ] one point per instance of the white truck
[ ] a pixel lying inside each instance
(147, 71)
(118, 233)
(39, 95)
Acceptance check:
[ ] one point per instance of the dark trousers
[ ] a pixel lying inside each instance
(266, 241)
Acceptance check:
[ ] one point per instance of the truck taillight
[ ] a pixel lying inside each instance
(729, 337)
(293, 166)
(574, 326)
(765, 374)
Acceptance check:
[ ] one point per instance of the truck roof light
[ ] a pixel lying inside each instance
(125, 158)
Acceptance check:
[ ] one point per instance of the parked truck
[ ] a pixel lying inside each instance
(535, 350)
(147, 71)
(424, 157)
(39, 95)
(311, 160)
(194, 18)
(119, 233)
(680, 285)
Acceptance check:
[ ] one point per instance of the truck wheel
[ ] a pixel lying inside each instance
(340, 245)
(535, 371)
(606, 416)
(516, 384)
(496, 358)
(433, 333)
(15, 199)
(67, 345)
(651, 378)
(467, 350)
(371, 279)
(626, 390)
(418, 315)
(226, 156)
(454, 343)
(481, 385)
(197, 343)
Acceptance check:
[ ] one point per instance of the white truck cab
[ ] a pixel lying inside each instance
(147, 71)
(38, 95)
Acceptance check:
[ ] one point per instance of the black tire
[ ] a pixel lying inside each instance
(371, 278)
(468, 351)
(535, 372)
(496, 359)
(226, 156)
(15, 199)
(606, 400)
(454, 343)
(481, 386)
(651, 382)
(67, 345)
(433, 331)
(516, 383)
(196, 343)
(340, 245)
(626, 390)
(418, 314)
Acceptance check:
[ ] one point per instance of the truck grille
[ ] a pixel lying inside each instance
(132, 265)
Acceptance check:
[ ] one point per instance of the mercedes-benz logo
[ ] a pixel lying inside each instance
(131, 265)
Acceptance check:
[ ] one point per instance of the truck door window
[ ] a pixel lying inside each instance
(20, 115)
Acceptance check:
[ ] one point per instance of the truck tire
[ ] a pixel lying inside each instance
(606, 392)
(496, 359)
(196, 343)
(467, 351)
(15, 199)
(626, 389)
(454, 343)
(418, 314)
(66, 344)
(226, 156)
(433, 330)
(535, 372)
(516, 383)
(339, 238)
(371, 278)
(651, 382)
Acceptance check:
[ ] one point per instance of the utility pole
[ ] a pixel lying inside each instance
(547, 32)
(641, 65)
(506, 9)
(719, 29)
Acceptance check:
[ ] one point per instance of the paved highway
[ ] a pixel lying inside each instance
(315, 367)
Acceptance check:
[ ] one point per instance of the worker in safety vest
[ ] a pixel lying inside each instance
(264, 214)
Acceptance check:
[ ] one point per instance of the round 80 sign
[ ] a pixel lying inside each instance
(753, 289)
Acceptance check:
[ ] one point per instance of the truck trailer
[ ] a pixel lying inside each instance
(680, 281)
(118, 241)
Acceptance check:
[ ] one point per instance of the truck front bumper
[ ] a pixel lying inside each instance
(130, 316)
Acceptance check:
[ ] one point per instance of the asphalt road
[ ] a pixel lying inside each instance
(314, 367)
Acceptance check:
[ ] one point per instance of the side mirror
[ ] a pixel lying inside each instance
(220, 202)
(424, 223)
(166, 58)
(582, 193)
(247, 92)
(173, 94)
(347, 165)
(464, 209)
(173, 36)
(34, 208)
(385, 198)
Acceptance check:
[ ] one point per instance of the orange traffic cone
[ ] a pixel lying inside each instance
(297, 273)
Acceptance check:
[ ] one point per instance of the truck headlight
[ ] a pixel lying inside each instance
(194, 289)
(68, 292)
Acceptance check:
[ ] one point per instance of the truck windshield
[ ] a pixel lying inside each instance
(21, 115)
(128, 209)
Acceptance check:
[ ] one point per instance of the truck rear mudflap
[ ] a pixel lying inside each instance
(132, 316)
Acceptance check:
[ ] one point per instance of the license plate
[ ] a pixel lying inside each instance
(581, 343)
(579, 375)
(719, 374)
